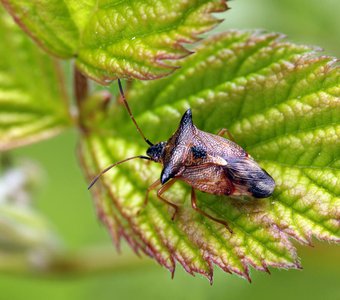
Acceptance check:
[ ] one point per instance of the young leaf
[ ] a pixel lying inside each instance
(32, 100)
(111, 39)
(23, 229)
(281, 103)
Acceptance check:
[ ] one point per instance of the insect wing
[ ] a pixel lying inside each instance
(249, 178)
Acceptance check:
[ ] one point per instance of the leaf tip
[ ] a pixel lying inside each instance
(265, 267)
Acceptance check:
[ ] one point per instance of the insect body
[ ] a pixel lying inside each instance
(207, 162)
(210, 163)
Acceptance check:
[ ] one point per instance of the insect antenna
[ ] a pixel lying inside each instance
(130, 113)
(113, 165)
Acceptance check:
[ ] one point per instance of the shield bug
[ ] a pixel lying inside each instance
(207, 162)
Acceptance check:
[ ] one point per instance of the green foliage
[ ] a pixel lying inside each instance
(26, 236)
(32, 107)
(22, 229)
(279, 100)
(281, 103)
(112, 39)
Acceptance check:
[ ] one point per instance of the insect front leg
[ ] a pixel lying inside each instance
(162, 190)
(225, 131)
(150, 188)
(195, 207)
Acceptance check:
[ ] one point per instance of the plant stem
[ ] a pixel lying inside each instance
(81, 86)
(81, 92)
(82, 262)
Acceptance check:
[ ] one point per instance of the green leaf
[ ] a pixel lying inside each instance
(23, 229)
(32, 101)
(111, 39)
(281, 103)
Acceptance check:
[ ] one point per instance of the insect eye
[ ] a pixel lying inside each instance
(198, 152)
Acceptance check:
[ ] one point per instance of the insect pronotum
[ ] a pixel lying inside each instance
(207, 162)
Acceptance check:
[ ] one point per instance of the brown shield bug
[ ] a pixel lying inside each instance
(205, 161)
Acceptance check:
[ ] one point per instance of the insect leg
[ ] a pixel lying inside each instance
(163, 189)
(150, 188)
(194, 206)
(225, 131)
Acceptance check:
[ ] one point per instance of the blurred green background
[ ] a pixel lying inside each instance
(66, 202)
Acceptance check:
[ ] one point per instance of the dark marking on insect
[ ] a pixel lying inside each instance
(198, 152)
(207, 162)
